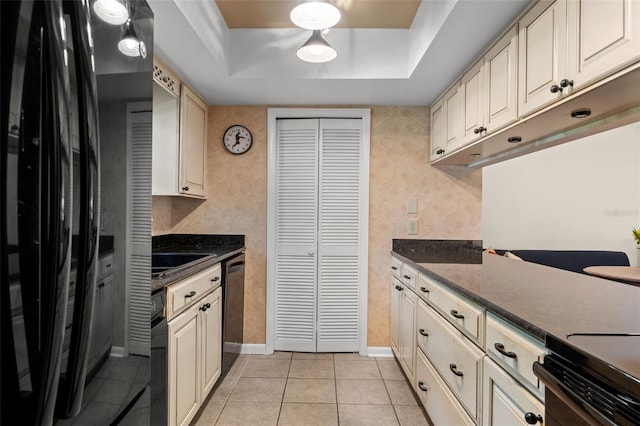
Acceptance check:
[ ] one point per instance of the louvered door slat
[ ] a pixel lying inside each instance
(296, 194)
(339, 235)
(140, 140)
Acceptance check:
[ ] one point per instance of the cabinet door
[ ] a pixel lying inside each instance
(501, 82)
(193, 143)
(211, 320)
(471, 87)
(184, 367)
(541, 54)
(452, 124)
(407, 333)
(505, 401)
(603, 36)
(396, 296)
(105, 314)
(437, 130)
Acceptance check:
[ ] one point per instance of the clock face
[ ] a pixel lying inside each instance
(237, 139)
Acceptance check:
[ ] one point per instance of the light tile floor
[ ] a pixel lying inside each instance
(312, 389)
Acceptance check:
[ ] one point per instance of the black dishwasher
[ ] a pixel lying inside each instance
(232, 310)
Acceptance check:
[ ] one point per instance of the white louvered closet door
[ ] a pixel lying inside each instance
(318, 183)
(296, 223)
(139, 234)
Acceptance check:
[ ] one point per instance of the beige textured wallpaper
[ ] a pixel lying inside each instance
(449, 202)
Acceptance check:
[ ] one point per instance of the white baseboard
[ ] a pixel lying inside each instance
(261, 349)
(254, 348)
(380, 351)
(117, 352)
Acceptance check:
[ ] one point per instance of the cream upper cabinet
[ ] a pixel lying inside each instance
(500, 71)
(471, 103)
(603, 36)
(179, 137)
(437, 130)
(452, 126)
(193, 143)
(542, 55)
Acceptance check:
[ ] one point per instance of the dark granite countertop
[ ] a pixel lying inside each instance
(539, 299)
(218, 248)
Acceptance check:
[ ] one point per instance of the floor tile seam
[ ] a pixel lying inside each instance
(225, 400)
(391, 400)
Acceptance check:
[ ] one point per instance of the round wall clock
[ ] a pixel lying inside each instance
(237, 139)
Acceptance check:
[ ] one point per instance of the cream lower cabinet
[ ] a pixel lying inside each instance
(194, 356)
(403, 317)
(506, 402)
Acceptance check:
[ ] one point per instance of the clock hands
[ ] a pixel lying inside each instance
(238, 137)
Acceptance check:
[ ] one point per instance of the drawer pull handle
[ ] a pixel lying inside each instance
(422, 387)
(500, 348)
(456, 314)
(204, 307)
(424, 333)
(190, 294)
(532, 419)
(454, 370)
(399, 288)
(108, 265)
(395, 268)
(214, 279)
(424, 289)
(406, 277)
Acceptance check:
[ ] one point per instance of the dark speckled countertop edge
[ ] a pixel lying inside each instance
(160, 283)
(500, 311)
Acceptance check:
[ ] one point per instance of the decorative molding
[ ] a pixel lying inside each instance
(165, 78)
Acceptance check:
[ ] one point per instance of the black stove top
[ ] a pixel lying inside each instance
(614, 358)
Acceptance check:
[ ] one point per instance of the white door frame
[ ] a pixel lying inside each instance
(272, 115)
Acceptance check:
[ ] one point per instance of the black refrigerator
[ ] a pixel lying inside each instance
(49, 129)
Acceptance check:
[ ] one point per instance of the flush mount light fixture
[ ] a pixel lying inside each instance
(113, 12)
(315, 14)
(130, 44)
(316, 49)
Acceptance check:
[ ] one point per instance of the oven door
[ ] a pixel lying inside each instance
(573, 397)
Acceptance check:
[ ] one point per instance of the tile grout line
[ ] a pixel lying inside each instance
(235, 383)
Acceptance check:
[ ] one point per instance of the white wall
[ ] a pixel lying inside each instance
(583, 195)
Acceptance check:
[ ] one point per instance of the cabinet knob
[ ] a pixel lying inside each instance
(406, 277)
(555, 89)
(185, 188)
(440, 151)
(456, 314)
(479, 130)
(203, 308)
(566, 83)
(532, 419)
(500, 348)
(399, 288)
(395, 268)
(454, 370)
(422, 387)
(424, 289)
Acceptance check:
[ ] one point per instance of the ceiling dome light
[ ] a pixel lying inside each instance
(130, 44)
(113, 12)
(316, 49)
(315, 14)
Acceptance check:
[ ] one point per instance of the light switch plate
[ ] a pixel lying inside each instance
(412, 205)
(412, 227)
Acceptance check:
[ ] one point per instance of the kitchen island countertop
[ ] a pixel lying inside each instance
(543, 300)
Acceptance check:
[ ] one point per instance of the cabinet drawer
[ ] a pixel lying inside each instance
(440, 404)
(409, 276)
(424, 286)
(396, 267)
(514, 350)
(105, 266)
(458, 360)
(186, 292)
(460, 311)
